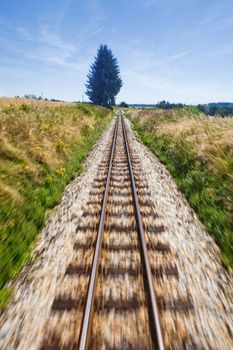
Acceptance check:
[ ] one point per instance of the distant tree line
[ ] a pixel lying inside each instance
(167, 105)
(223, 109)
(124, 104)
(35, 97)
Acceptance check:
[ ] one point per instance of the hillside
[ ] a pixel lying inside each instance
(198, 152)
(42, 147)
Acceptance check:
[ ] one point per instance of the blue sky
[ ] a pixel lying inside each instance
(178, 50)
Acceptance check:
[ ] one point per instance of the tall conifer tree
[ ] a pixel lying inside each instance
(103, 80)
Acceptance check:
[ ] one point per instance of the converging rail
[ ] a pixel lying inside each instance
(156, 334)
(86, 324)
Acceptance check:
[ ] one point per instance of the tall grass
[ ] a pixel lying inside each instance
(198, 152)
(42, 147)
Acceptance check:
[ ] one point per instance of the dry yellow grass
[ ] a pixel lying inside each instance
(12, 192)
(210, 137)
(7, 101)
(43, 131)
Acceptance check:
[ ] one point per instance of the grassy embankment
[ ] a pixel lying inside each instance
(198, 152)
(42, 148)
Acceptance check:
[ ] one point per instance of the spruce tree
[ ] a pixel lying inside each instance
(103, 80)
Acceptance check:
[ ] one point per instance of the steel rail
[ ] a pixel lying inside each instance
(84, 336)
(156, 330)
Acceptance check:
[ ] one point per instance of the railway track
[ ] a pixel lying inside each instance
(106, 299)
(120, 176)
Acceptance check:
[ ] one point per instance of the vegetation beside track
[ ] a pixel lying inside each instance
(198, 152)
(42, 147)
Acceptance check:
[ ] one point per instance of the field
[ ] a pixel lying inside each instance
(42, 147)
(198, 152)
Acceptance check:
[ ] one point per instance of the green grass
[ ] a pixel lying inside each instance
(209, 191)
(32, 182)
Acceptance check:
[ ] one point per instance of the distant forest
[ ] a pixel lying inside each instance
(225, 109)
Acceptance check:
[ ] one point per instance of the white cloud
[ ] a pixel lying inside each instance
(24, 33)
(52, 39)
(90, 34)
